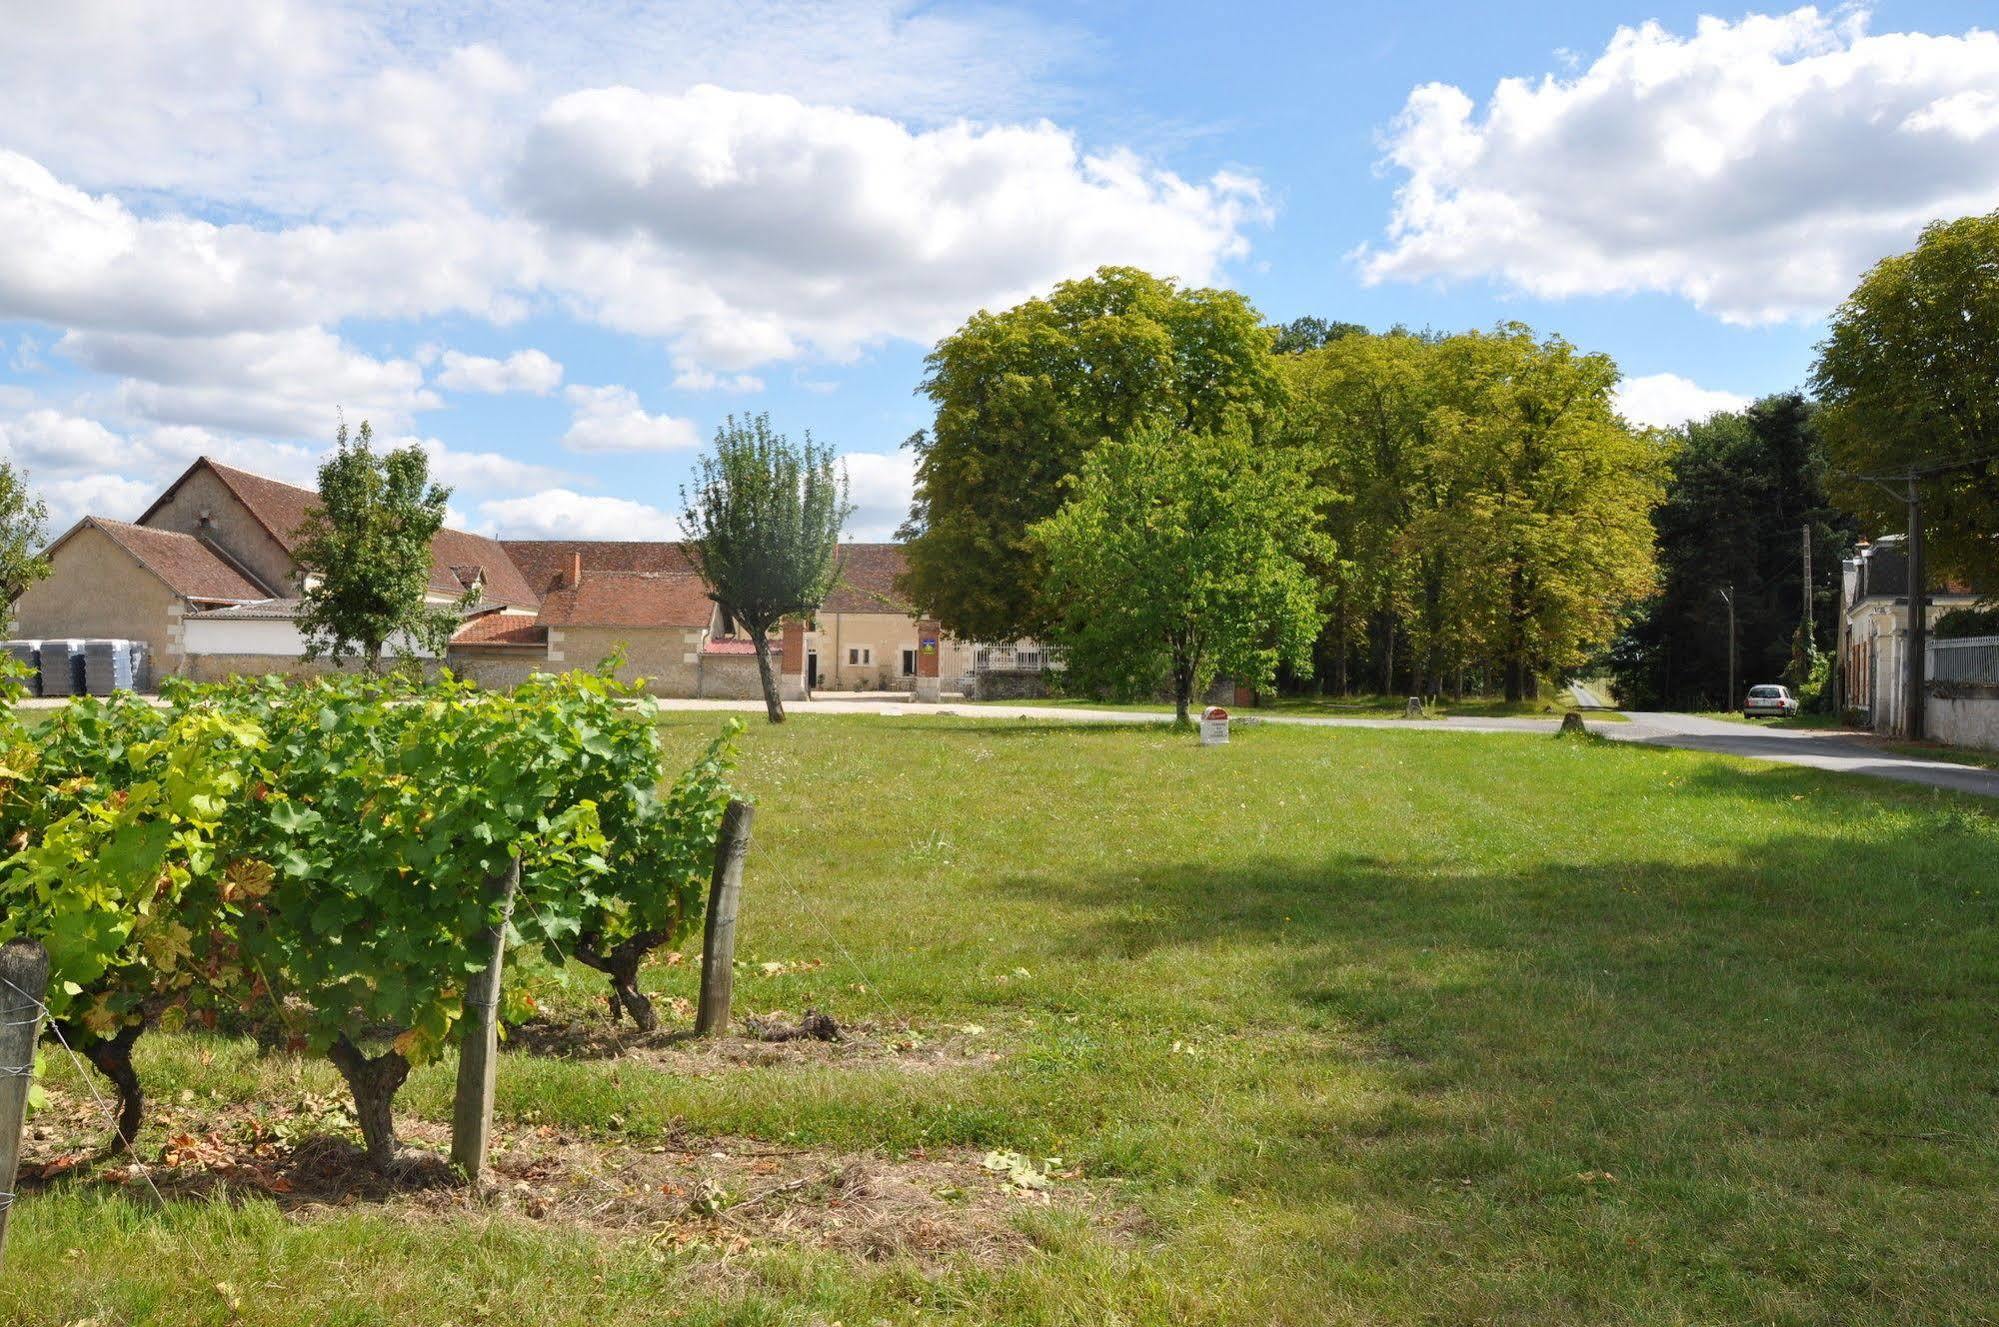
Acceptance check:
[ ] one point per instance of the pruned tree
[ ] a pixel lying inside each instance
(364, 555)
(763, 526)
(1181, 557)
(23, 533)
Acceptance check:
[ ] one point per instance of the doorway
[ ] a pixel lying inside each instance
(811, 670)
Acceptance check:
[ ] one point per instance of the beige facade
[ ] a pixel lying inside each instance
(668, 657)
(203, 506)
(98, 589)
(731, 677)
(865, 651)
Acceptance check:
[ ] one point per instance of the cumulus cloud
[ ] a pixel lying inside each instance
(610, 419)
(1756, 167)
(1666, 400)
(880, 486)
(528, 371)
(746, 225)
(561, 513)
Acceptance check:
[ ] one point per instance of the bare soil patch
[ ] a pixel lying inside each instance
(761, 1040)
(698, 1195)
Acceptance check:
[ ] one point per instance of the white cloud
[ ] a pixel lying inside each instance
(746, 227)
(288, 383)
(880, 486)
(610, 419)
(561, 513)
(1666, 400)
(1756, 167)
(523, 371)
(691, 377)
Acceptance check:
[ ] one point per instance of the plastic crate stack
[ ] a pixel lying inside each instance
(62, 668)
(107, 666)
(28, 653)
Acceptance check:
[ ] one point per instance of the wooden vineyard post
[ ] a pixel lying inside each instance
(24, 978)
(718, 944)
(479, 1042)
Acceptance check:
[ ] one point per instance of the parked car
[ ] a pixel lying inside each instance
(1769, 702)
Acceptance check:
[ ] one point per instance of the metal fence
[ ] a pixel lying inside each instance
(1015, 658)
(1969, 659)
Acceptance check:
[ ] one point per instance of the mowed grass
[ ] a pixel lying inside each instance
(1342, 707)
(1372, 1026)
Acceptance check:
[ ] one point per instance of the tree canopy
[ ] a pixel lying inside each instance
(364, 554)
(23, 534)
(1492, 516)
(763, 526)
(1180, 556)
(1742, 489)
(1024, 396)
(1909, 377)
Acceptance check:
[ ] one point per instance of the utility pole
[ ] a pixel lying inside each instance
(1728, 597)
(1806, 597)
(1919, 625)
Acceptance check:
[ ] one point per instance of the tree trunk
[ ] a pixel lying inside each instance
(112, 1057)
(621, 965)
(773, 705)
(1183, 692)
(374, 1084)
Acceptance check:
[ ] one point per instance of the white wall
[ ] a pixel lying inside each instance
(274, 637)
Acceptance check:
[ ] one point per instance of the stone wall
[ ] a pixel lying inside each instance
(1968, 715)
(669, 657)
(96, 589)
(497, 671)
(731, 677)
(1005, 686)
(221, 667)
(229, 525)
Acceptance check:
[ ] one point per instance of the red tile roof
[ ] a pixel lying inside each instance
(501, 629)
(729, 645)
(455, 555)
(545, 563)
(866, 580)
(631, 599)
(189, 567)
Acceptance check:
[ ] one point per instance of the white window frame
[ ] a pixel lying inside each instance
(860, 656)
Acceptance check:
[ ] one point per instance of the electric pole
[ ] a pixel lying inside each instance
(1728, 597)
(1919, 624)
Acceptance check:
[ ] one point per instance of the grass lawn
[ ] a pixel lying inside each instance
(1347, 707)
(1341, 1026)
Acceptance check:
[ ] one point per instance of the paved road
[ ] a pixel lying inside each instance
(1829, 749)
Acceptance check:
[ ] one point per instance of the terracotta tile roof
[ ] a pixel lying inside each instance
(545, 563)
(189, 567)
(455, 555)
(729, 645)
(501, 629)
(631, 599)
(866, 583)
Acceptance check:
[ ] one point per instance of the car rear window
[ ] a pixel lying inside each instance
(1765, 693)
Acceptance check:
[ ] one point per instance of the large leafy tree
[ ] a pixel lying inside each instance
(1492, 510)
(364, 554)
(1183, 555)
(23, 534)
(1023, 397)
(1742, 490)
(763, 524)
(1909, 378)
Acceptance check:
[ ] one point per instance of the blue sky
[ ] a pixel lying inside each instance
(558, 244)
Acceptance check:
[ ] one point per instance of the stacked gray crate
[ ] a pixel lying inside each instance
(142, 665)
(62, 667)
(28, 653)
(107, 666)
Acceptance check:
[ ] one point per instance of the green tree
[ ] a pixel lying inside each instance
(1741, 489)
(1181, 556)
(364, 555)
(1909, 377)
(23, 533)
(1310, 333)
(763, 524)
(1023, 397)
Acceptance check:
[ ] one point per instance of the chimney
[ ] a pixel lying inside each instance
(576, 570)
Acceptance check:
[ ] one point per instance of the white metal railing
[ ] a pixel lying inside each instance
(1966, 659)
(1016, 658)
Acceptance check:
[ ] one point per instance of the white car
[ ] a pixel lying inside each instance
(1769, 702)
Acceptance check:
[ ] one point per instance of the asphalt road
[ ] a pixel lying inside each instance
(1828, 749)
